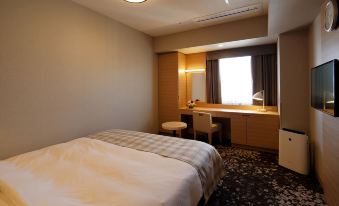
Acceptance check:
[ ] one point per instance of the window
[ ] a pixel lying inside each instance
(236, 80)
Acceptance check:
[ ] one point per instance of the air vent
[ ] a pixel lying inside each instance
(230, 13)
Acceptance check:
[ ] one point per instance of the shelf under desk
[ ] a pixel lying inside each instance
(248, 127)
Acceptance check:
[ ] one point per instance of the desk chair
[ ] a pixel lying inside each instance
(202, 122)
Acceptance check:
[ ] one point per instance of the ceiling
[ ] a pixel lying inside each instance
(283, 16)
(162, 17)
(286, 15)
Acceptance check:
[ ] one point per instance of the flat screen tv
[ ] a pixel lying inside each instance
(325, 88)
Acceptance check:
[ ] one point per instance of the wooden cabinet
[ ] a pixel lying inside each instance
(255, 130)
(238, 129)
(171, 86)
(263, 131)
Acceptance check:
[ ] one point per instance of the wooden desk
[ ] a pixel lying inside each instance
(248, 127)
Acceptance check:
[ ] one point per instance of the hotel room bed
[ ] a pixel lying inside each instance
(114, 167)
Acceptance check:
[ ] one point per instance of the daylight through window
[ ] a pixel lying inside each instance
(236, 80)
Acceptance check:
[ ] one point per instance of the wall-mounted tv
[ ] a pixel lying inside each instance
(325, 88)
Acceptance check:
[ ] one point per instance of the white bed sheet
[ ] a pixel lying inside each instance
(91, 172)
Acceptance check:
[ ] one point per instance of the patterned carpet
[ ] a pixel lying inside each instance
(255, 178)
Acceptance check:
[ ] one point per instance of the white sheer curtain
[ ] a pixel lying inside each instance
(236, 80)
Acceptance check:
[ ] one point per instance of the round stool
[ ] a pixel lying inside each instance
(174, 126)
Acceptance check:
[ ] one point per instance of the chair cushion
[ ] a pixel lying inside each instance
(216, 127)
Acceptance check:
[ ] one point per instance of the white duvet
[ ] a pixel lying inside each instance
(91, 172)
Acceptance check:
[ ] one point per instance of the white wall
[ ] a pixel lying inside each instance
(66, 71)
(325, 128)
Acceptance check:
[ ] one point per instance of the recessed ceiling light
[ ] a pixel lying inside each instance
(227, 1)
(135, 1)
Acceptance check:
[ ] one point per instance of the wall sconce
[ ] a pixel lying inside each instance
(194, 70)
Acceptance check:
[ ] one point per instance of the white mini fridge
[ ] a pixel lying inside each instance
(294, 151)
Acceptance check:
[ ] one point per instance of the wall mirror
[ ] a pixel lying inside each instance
(198, 85)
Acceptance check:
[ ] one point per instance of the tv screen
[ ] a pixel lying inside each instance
(324, 87)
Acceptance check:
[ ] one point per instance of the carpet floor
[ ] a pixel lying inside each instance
(255, 178)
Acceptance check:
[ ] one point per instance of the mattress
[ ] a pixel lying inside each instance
(89, 171)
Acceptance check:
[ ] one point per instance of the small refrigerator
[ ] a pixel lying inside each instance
(294, 151)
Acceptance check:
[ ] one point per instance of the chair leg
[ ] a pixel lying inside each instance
(220, 137)
(210, 138)
(195, 135)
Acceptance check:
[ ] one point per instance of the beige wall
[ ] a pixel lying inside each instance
(232, 31)
(293, 78)
(67, 72)
(196, 60)
(324, 129)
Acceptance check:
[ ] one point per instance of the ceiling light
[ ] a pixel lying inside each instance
(227, 1)
(135, 1)
(220, 45)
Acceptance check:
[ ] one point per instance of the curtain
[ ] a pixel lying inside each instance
(213, 82)
(264, 75)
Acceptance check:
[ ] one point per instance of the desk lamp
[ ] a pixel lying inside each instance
(260, 96)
